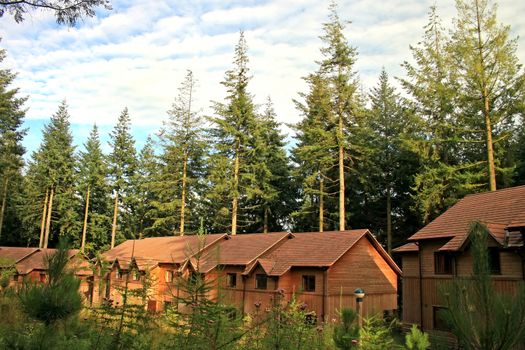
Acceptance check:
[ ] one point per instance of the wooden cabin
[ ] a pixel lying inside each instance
(248, 271)
(440, 251)
(28, 264)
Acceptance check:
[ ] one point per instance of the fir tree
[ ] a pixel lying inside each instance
(178, 184)
(11, 149)
(447, 173)
(232, 168)
(52, 176)
(122, 168)
(147, 167)
(490, 82)
(94, 188)
(337, 68)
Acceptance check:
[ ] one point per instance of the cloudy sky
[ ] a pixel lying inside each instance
(137, 54)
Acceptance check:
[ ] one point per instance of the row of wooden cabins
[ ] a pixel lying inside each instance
(320, 269)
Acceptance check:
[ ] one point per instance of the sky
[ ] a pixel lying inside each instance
(137, 55)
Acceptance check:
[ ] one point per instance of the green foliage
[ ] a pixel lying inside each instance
(346, 333)
(375, 335)
(58, 298)
(416, 339)
(479, 316)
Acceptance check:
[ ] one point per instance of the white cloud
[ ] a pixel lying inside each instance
(137, 55)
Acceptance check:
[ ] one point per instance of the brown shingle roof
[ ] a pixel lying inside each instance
(26, 260)
(12, 255)
(407, 248)
(316, 249)
(241, 249)
(171, 249)
(497, 209)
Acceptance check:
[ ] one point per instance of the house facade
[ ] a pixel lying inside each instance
(28, 265)
(250, 271)
(440, 252)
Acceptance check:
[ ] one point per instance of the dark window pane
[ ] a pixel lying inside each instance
(261, 281)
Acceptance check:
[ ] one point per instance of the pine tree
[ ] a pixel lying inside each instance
(122, 167)
(147, 168)
(11, 149)
(51, 174)
(490, 81)
(447, 172)
(314, 154)
(178, 184)
(94, 188)
(337, 68)
(232, 168)
(390, 124)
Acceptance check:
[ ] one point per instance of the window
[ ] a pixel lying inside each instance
(168, 276)
(231, 280)
(118, 274)
(494, 261)
(442, 263)
(42, 277)
(261, 281)
(439, 321)
(136, 276)
(167, 306)
(15, 277)
(309, 283)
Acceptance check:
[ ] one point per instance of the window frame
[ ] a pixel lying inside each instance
(136, 275)
(259, 277)
(440, 267)
(231, 280)
(494, 256)
(168, 276)
(307, 282)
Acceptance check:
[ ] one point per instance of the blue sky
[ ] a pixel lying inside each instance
(137, 54)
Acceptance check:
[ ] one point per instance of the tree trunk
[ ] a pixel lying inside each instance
(389, 222)
(342, 212)
(84, 228)
(48, 219)
(265, 223)
(114, 226)
(486, 106)
(4, 199)
(43, 223)
(321, 203)
(235, 189)
(183, 195)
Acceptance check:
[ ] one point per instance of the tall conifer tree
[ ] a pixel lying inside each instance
(11, 149)
(122, 167)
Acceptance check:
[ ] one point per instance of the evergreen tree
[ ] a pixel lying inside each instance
(274, 194)
(51, 174)
(122, 168)
(147, 168)
(178, 185)
(94, 188)
(11, 151)
(393, 166)
(232, 167)
(337, 68)
(490, 83)
(447, 173)
(314, 154)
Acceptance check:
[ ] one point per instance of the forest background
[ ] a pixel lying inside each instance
(383, 158)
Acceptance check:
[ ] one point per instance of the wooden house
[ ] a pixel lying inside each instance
(440, 251)
(28, 264)
(321, 270)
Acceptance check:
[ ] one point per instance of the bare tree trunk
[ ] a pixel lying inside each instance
(235, 189)
(43, 223)
(265, 222)
(321, 203)
(486, 106)
(183, 195)
(389, 222)
(4, 199)
(342, 211)
(114, 226)
(48, 219)
(84, 228)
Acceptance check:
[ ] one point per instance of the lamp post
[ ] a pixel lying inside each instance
(359, 295)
